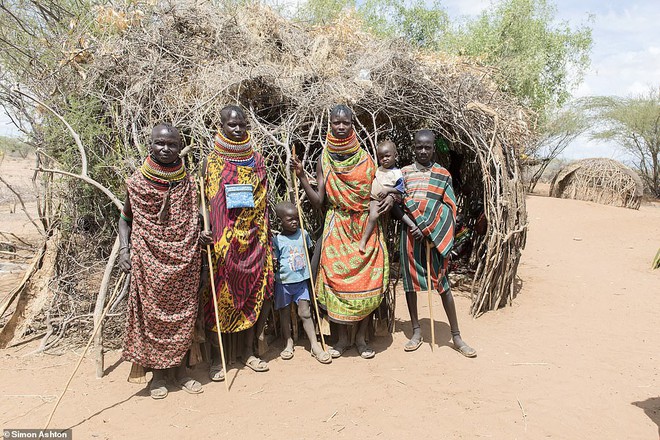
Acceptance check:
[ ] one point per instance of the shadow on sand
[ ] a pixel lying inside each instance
(651, 407)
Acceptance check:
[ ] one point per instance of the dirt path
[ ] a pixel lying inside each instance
(575, 357)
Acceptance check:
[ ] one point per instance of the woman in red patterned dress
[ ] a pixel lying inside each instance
(159, 233)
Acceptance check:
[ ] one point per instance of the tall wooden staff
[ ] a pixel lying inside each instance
(309, 263)
(215, 298)
(428, 286)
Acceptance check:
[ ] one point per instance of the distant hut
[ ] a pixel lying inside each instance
(599, 180)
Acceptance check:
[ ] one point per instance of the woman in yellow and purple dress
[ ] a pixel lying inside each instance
(236, 187)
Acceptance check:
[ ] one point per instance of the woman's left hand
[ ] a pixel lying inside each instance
(205, 238)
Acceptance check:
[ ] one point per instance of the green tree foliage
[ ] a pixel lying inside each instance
(41, 44)
(634, 123)
(540, 59)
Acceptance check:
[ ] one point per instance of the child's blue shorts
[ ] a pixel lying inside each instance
(286, 293)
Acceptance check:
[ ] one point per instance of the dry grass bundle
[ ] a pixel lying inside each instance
(182, 62)
(599, 180)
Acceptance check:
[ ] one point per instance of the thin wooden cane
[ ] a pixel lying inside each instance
(309, 263)
(428, 286)
(99, 324)
(212, 279)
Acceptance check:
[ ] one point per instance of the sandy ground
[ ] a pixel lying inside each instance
(17, 172)
(575, 357)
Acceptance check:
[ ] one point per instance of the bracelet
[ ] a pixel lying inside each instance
(121, 248)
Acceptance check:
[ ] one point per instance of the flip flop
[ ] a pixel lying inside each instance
(190, 385)
(324, 357)
(365, 351)
(216, 373)
(335, 353)
(412, 346)
(158, 389)
(466, 351)
(256, 364)
(286, 354)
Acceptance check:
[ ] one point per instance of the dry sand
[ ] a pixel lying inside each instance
(575, 357)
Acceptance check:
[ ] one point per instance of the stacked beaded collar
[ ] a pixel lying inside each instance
(163, 175)
(240, 153)
(342, 146)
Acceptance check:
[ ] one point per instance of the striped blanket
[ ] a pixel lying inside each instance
(430, 201)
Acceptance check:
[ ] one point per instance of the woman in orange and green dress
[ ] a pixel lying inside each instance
(349, 284)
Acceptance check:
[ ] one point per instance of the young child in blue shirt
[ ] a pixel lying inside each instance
(292, 280)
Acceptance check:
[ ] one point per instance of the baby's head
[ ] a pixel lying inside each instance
(387, 155)
(288, 214)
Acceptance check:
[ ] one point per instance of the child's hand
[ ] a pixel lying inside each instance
(205, 238)
(382, 194)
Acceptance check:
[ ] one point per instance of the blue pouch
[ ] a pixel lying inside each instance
(239, 195)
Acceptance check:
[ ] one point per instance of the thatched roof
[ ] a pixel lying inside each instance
(599, 180)
(184, 62)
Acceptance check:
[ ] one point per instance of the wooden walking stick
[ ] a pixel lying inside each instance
(309, 263)
(428, 286)
(99, 324)
(212, 279)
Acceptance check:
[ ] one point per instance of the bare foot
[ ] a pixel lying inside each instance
(363, 247)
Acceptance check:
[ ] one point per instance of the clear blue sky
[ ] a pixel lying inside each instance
(625, 58)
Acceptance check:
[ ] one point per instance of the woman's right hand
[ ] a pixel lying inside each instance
(125, 261)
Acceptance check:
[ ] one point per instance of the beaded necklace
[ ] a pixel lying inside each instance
(346, 146)
(163, 175)
(240, 153)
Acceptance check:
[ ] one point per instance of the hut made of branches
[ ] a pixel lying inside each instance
(182, 62)
(599, 180)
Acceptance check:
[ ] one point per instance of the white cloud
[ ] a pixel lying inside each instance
(458, 8)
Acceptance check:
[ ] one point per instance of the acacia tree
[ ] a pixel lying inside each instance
(541, 59)
(556, 133)
(634, 123)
